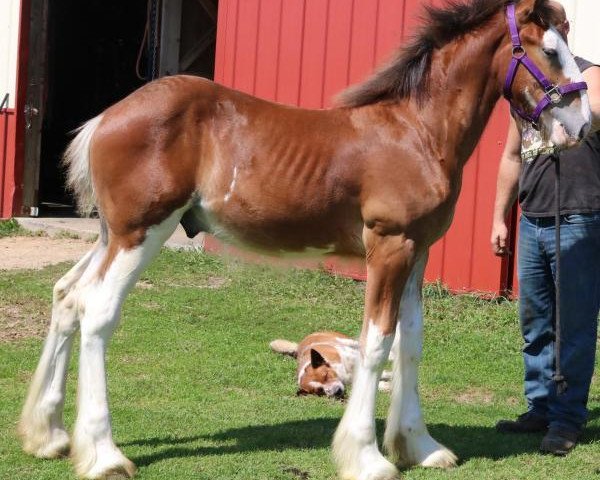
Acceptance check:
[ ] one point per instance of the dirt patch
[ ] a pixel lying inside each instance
(39, 252)
(297, 473)
(475, 396)
(144, 285)
(24, 320)
(210, 283)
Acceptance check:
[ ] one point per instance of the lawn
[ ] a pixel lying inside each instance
(196, 393)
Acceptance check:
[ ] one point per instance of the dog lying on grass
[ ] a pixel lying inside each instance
(325, 362)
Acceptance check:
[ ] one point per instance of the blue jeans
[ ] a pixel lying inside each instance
(580, 302)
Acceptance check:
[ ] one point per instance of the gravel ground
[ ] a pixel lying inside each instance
(38, 252)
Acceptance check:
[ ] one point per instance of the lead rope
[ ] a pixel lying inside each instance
(559, 379)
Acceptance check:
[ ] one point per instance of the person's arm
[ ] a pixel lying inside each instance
(592, 78)
(507, 187)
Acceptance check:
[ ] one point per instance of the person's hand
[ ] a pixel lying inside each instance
(500, 239)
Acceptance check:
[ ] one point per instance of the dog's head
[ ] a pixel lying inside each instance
(320, 378)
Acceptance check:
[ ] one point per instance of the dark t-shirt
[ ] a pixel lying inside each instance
(579, 177)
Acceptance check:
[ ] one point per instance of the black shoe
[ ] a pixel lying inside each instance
(559, 441)
(529, 422)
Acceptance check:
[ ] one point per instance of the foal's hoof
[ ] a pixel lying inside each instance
(117, 472)
(120, 473)
(420, 450)
(442, 458)
(52, 445)
(108, 465)
(378, 470)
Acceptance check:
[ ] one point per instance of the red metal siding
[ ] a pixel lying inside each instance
(303, 52)
(7, 163)
(12, 130)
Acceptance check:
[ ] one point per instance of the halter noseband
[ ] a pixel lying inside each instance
(554, 93)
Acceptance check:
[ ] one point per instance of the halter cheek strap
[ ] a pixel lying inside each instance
(554, 93)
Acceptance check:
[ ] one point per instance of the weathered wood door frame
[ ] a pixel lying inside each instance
(34, 106)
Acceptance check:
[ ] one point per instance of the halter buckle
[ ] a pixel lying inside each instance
(518, 52)
(554, 94)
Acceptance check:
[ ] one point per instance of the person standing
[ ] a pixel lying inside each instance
(529, 173)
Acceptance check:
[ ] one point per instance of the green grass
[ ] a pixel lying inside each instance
(196, 394)
(10, 227)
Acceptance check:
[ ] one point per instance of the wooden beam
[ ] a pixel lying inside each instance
(205, 41)
(34, 107)
(210, 8)
(170, 38)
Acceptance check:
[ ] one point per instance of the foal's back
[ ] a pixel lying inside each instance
(260, 173)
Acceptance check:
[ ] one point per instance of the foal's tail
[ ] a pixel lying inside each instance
(77, 161)
(285, 347)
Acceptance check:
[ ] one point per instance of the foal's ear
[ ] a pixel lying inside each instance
(527, 8)
(316, 359)
(542, 13)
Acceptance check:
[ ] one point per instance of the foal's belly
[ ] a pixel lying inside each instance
(274, 230)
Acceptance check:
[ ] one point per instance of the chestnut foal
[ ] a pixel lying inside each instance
(377, 177)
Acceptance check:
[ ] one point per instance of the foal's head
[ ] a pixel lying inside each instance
(542, 31)
(542, 28)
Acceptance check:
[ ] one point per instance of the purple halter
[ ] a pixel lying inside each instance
(554, 93)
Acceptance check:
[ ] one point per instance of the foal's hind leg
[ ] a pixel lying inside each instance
(389, 260)
(406, 437)
(93, 451)
(41, 425)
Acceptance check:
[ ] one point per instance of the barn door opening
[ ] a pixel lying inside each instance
(99, 51)
(188, 37)
(91, 52)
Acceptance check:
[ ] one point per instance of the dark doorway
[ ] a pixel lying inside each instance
(96, 55)
(92, 52)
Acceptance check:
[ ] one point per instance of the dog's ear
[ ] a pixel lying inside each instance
(316, 359)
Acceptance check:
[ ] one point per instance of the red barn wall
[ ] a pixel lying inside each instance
(302, 52)
(12, 128)
(7, 162)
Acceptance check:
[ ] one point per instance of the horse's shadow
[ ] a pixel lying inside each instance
(468, 442)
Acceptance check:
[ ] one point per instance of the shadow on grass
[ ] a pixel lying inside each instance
(468, 442)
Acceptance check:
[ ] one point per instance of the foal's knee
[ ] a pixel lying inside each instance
(411, 344)
(375, 347)
(99, 316)
(65, 318)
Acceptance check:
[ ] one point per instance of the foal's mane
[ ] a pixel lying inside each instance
(407, 74)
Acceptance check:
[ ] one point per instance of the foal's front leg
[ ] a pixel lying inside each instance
(389, 261)
(406, 437)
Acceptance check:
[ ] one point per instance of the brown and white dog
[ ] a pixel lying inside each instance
(325, 362)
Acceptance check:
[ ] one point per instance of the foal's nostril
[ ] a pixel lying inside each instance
(583, 132)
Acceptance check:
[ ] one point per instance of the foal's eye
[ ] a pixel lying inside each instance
(550, 52)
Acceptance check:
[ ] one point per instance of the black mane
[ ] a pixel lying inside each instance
(407, 74)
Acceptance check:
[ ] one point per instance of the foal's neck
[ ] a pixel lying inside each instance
(464, 91)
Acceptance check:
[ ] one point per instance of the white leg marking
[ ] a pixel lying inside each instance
(355, 442)
(41, 425)
(94, 452)
(406, 437)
